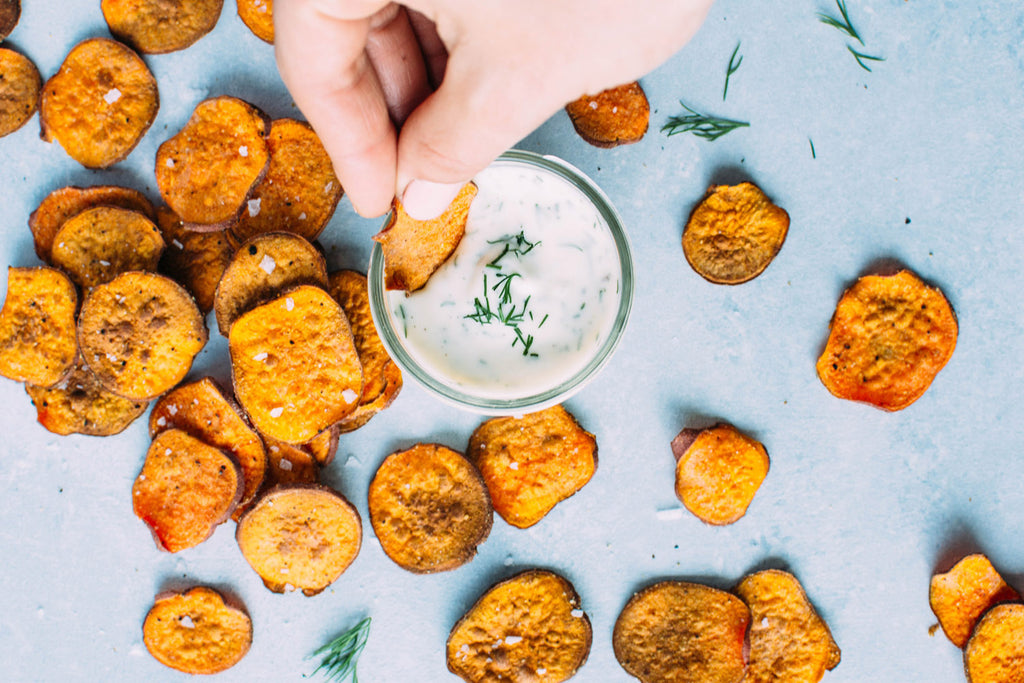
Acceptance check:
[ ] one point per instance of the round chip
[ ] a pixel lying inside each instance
(258, 15)
(888, 339)
(37, 326)
(300, 538)
(995, 652)
(429, 508)
(159, 26)
(139, 333)
(196, 632)
(19, 88)
(100, 103)
(10, 12)
(197, 260)
(79, 404)
(963, 594)
(612, 117)
(100, 243)
(734, 233)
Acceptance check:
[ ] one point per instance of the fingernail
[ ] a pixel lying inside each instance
(424, 200)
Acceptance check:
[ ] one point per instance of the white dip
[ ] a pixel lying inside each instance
(551, 295)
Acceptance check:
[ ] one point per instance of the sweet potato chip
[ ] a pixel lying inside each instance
(788, 640)
(429, 508)
(159, 26)
(100, 103)
(208, 169)
(19, 88)
(682, 632)
(995, 652)
(324, 445)
(295, 366)
(889, 337)
(79, 404)
(185, 489)
(258, 15)
(300, 537)
(718, 471)
(612, 117)
(734, 233)
(100, 243)
(262, 268)
(139, 333)
(527, 628)
(288, 464)
(196, 632)
(37, 326)
(964, 593)
(10, 12)
(202, 410)
(532, 463)
(414, 249)
(196, 260)
(299, 192)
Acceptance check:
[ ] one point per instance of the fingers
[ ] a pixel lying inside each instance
(435, 54)
(394, 51)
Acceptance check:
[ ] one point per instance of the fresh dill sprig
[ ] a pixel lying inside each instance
(517, 245)
(814, 155)
(701, 125)
(733, 67)
(341, 654)
(846, 26)
(860, 57)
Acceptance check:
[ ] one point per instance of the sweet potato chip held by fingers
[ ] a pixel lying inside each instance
(995, 652)
(158, 26)
(79, 404)
(100, 243)
(20, 83)
(196, 260)
(963, 594)
(612, 117)
(37, 326)
(258, 15)
(10, 12)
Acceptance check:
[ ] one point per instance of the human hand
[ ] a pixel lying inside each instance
(462, 80)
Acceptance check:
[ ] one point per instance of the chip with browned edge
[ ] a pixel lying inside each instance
(681, 632)
(10, 12)
(324, 445)
(196, 631)
(159, 26)
(258, 15)
(527, 628)
(788, 640)
(533, 462)
(197, 260)
(100, 243)
(889, 337)
(964, 593)
(734, 233)
(203, 410)
(995, 652)
(429, 508)
(20, 83)
(612, 117)
(100, 103)
(718, 471)
(300, 537)
(414, 249)
(185, 489)
(261, 269)
(79, 404)
(139, 333)
(37, 326)
(288, 464)
(207, 171)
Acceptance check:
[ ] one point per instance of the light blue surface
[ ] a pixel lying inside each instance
(861, 505)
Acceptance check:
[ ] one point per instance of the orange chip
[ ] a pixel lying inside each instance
(888, 339)
(288, 464)
(185, 489)
(258, 15)
(532, 463)
(19, 87)
(207, 171)
(324, 445)
(158, 26)
(682, 632)
(414, 249)
(964, 593)
(100, 243)
(527, 628)
(37, 326)
(197, 260)
(100, 103)
(429, 508)
(79, 404)
(196, 632)
(612, 117)
(995, 652)
(10, 12)
(788, 640)
(300, 537)
(139, 333)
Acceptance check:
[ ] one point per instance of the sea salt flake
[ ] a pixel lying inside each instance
(276, 412)
(512, 640)
(170, 163)
(177, 244)
(541, 671)
(187, 622)
(104, 263)
(764, 622)
(593, 104)
(161, 421)
(243, 150)
(329, 186)
(285, 465)
(349, 395)
(254, 207)
(113, 95)
(302, 216)
(268, 264)
(576, 613)
(262, 355)
(513, 466)
(172, 409)
(289, 304)
(167, 452)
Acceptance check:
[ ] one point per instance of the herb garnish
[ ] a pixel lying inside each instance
(860, 57)
(701, 125)
(846, 26)
(814, 155)
(733, 67)
(342, 653)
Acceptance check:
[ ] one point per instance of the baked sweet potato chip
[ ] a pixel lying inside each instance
(300, 537)
(100, 103)
(788, 640)
(185, 489)
(532, 463)
(196, 631)
(288, 464)
(20, 83)
(684, 633)
(414, 249)
(79, 404)
(324, 445)
(159, 26)
(262, 268)
(258, 15)
(734, 233)
(612, 117)
(207, 171)
(963, 594)
(718, 471)
(139, 333)
(995, 652)
(429, 508)
(10, 12)
(100, 243)
(37, 326)
(196, 260)
(527, 628)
